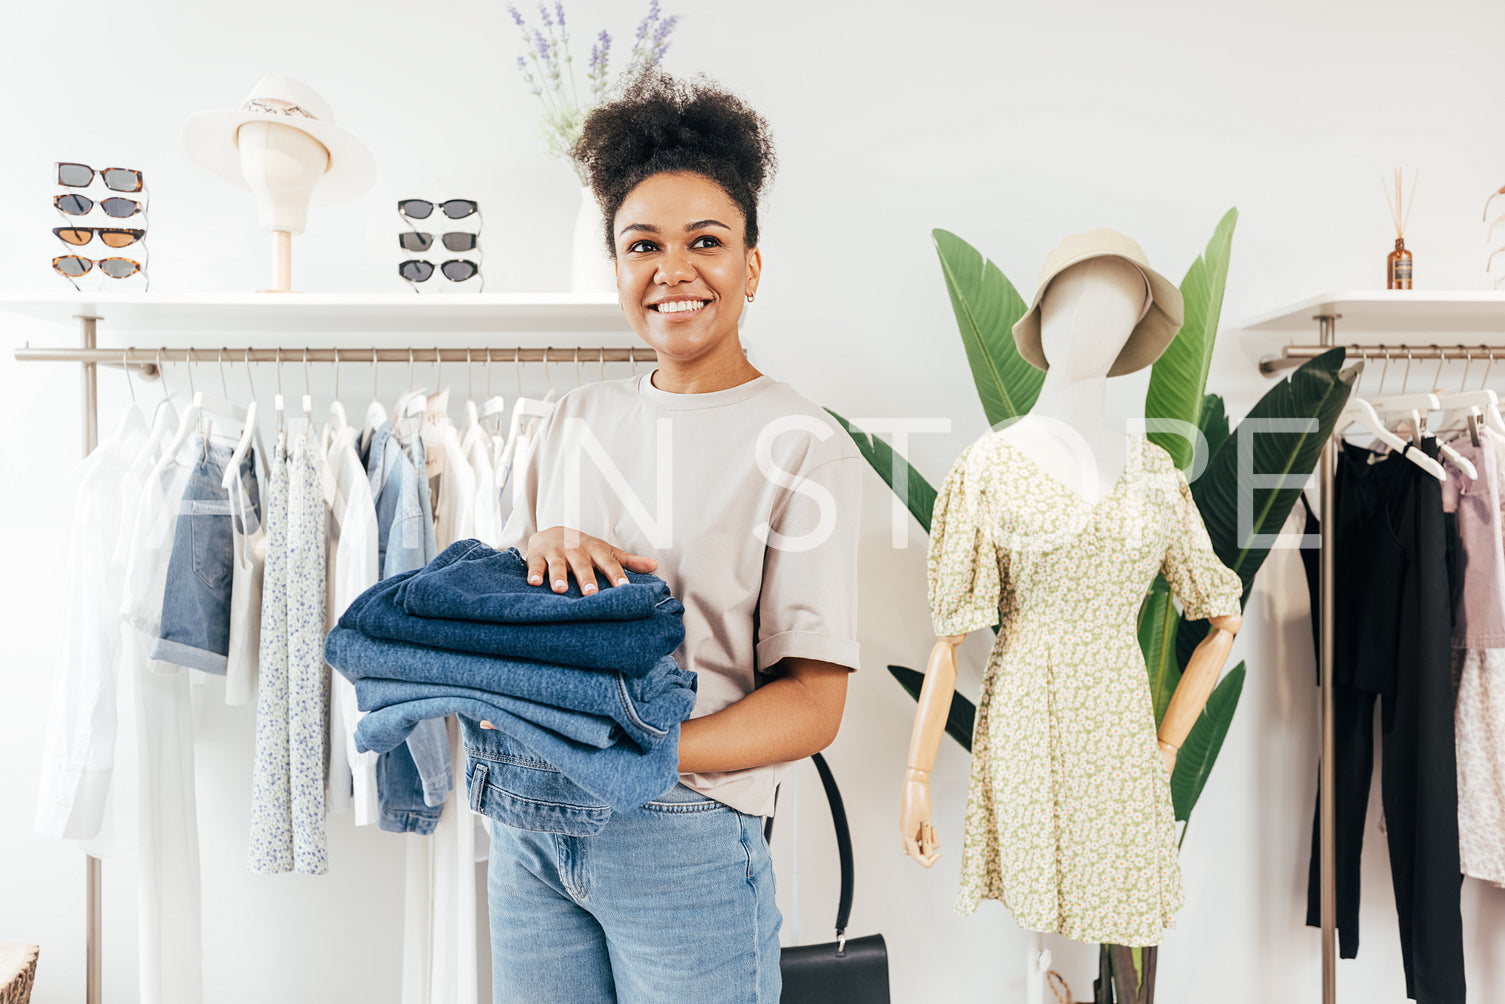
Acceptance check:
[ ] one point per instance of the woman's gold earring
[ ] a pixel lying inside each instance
(749, 297)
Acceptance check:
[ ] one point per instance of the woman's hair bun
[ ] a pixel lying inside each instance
(662, 124)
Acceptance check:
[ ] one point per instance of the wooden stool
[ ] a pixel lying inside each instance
(18, 968)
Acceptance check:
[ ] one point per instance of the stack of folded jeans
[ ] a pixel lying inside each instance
(584, 683)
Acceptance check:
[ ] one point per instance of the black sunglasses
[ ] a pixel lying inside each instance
(421, 209)
(455, 240)
(74, 266)
(115, 237)
(116, 179)
(79, 205)
(455, 270)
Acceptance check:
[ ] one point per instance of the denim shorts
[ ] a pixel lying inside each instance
(195, 630)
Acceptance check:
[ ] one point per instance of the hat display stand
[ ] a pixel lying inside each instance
(283, 145)
(281, 166)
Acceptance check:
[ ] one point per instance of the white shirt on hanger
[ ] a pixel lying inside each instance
(79, 742)
(352, 570)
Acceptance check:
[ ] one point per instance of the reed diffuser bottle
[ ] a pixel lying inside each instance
(1398, 264)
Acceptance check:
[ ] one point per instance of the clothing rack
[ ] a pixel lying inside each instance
(147, 363)
(1289, 357)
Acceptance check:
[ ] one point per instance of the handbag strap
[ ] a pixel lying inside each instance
(843, 843)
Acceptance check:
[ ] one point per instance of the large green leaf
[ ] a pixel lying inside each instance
(918, 495)
(1200, 750)
(959, 720)
(1158, 619)
(1178, 379)
(1310, 400)
(986, 306)
(1316, 391)
(1214, 423)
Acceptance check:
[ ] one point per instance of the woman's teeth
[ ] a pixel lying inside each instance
(679, 306)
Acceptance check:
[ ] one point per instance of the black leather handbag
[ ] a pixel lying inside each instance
(844, 971)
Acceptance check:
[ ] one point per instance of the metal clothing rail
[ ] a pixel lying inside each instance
(1292, 356)
(147, 361)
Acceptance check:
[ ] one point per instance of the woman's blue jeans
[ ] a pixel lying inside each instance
(671, 902)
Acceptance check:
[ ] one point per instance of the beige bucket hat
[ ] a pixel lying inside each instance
(1157, 326)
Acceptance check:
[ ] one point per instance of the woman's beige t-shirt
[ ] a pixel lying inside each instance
(749, 498)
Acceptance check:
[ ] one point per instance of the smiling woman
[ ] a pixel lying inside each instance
(744, 497)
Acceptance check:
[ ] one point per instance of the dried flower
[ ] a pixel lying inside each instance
(547, 69)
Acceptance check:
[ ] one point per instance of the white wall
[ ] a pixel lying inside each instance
(1011, 124)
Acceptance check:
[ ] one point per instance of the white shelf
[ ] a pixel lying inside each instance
(1418, 317)
(1380, 311)
(335, 313)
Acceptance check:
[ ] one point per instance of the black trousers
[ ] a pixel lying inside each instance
(1397, 555)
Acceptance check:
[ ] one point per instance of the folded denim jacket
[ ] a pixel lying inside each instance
(629, 646)
(387, 672)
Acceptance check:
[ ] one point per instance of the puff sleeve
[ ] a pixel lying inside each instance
(963, 562)
(1205, 586)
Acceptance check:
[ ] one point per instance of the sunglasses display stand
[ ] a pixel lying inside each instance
(96, 237)
(441, 244)
(281, 166)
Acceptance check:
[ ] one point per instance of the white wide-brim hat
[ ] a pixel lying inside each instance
(1157, 326)
(210, 137)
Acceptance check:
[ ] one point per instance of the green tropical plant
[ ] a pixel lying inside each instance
(986, 306)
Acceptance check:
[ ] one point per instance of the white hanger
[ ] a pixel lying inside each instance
(132, 416)
(308, 401)
(335, 422)
(1359, 410)
(163, 421)
(1420, 405)
(247, 434)
(1483, 401)
(201, 408)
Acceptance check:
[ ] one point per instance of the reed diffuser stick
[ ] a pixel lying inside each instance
(1398, 264)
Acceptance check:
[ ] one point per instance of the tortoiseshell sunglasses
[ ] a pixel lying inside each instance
(79, 205)
(116, 179)
(115, 237)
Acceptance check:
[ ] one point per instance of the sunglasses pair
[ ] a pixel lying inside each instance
(455, 270)
(115, 237)
(116, 268)
(455, 240)
(79, 205)
(116, 179)
(422, 209)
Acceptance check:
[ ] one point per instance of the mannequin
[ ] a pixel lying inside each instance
(282, 165)
(1088, 312)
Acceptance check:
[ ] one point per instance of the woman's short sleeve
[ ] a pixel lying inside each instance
(963, 562)
(1205, 586)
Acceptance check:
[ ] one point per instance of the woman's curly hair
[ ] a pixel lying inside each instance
(661, 124)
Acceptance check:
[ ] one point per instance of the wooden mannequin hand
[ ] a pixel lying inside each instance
(920, 841)
(1168, 754)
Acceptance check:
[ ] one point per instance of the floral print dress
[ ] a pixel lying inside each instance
(1069, 816)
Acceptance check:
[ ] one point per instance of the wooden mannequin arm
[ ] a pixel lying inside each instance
(930, 721)
(1201, 676)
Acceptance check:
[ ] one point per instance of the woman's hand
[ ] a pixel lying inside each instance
(559, 551)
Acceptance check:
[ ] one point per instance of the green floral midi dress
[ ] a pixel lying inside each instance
(1069, 816)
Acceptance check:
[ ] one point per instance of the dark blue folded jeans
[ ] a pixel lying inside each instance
(474, 582)
(632, 646)
(387, 672)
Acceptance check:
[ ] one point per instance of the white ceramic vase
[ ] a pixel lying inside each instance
(591, 271)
